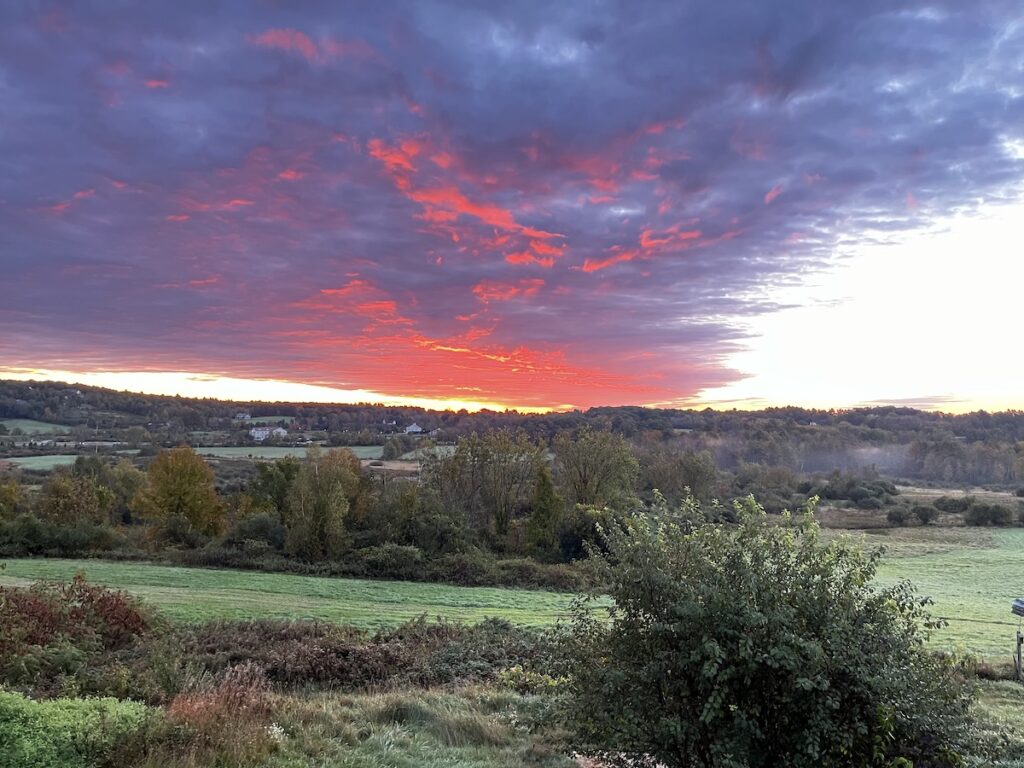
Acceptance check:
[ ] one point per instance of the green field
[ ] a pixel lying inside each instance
(280, 451)
(196, 594)
(973, 575)
(44, 462)
(33, 427)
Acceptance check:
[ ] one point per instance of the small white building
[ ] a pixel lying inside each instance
(259, 434)
(242, 416)
(414, 429)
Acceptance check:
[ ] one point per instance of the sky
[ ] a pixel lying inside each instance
(521, 204)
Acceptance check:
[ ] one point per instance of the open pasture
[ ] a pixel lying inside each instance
(43, 463)
(199, 594)
(268, 452)
(33, 427)
(972, 574)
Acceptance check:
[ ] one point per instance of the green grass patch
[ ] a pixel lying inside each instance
(200, 594)
(33, 427)
(468, 728)
(268, 452)
(43, 463)
(972, 574)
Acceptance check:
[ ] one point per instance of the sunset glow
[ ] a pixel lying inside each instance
(529, 207)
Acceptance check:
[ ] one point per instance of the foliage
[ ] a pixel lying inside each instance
(69, 499)
(595, 468)
(546, 513)
(925, 513)
(54, 628)
(180, 496)
(69, 733)
(487, 479)
(981, 513)
(26, 534)
(758, 645)
(13, 500)
(318, 501)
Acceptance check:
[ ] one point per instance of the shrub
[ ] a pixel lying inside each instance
(53, 629)
(989, 514)
(869, 502)
(69, 733)
(26, 534)
(954, 504)
(757, 645)
(898, 516)
(261, 527)
(925, 513)
(393, 561)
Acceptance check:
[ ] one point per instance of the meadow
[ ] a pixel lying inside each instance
(199, 594)
(43, 463)
(33, 427)
(279, 451)
(972, 574)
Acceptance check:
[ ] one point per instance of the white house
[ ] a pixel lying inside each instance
(241, 416)
(414, 429)
(259, 434)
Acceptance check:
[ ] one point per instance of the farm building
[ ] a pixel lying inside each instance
(414, 429)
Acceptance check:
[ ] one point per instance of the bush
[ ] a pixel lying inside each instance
(954, 504)
(69, 733)
(925, 513)
(869, 502)
(757, 645)
(420, 653)
(392, 561)
(989, 514)
(28, 535)
(51, 630)
(898, 516)
(261, 527)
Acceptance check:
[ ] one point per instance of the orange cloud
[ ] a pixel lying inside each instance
(294, 41)
(489, 290)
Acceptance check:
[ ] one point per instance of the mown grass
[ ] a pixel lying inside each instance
(972, 574)
(33, 427)
(279, 451)
(199, 594)
(44, 463)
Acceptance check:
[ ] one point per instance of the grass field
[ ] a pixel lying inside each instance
(196, 594)
(280, 451)
(33, 427)
(44, 462)
(973, 574)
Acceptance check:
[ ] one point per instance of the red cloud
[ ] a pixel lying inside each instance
(772, 194)
(288, 40)
(157, 83)
(489, 290)
(594, 265)
(294, 41)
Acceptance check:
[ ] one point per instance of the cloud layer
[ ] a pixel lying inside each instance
(532, 203)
